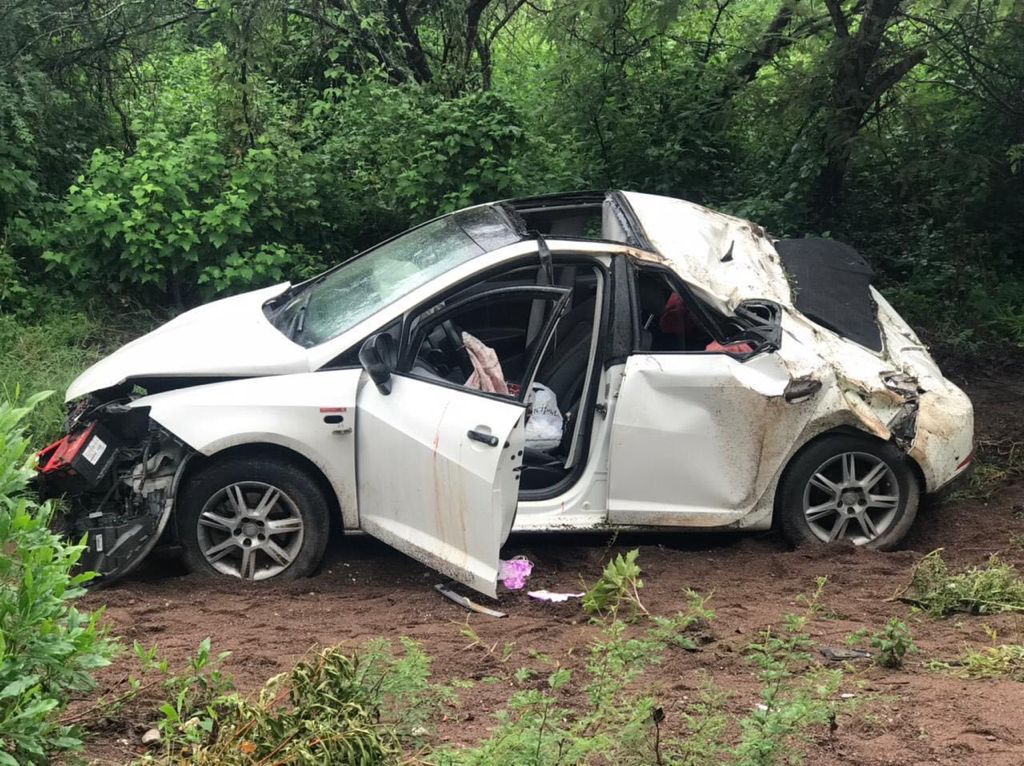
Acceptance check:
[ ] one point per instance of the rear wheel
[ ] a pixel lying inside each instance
(847, 488)
(253, 519)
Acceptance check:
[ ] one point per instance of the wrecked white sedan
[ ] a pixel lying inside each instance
(571, 362)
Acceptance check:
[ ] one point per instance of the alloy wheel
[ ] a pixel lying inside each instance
(851, 496)
(250, 530)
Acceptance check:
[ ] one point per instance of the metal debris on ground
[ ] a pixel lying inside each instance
(843, 654)
(466, 603)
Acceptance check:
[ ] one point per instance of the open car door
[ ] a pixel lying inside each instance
(438, 464)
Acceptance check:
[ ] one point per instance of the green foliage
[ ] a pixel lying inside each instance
(619, 582)
(190, 711)
(178, 154)
(795, 695)
(989, 589)
(995, 661)
(48, 648)
(181, 211)
(892, 643)
(334, 707)
(615, 723)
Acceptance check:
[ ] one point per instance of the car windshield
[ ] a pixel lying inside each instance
(342, 298)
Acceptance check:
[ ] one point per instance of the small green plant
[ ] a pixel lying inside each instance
(892, 643)
(323, 711)
(191, 710)
(685, 629)
(989, 589)
(813, 603)
(619, 583)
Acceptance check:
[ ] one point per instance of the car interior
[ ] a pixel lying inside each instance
(513, 327)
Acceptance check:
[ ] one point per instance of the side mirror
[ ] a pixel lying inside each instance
(379, 356)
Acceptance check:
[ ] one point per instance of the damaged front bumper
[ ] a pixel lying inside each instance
(118, 472)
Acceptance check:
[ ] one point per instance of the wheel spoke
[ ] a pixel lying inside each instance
(868, 525)
(268, 501)
(215, 521)
(277, 553)
(874, 476)
(220, 550)
(816, 512)
(247, 570)
(822, 482)
(237, 499)
(283, 526)
(887, 502)
(849, 461)
(839, 528)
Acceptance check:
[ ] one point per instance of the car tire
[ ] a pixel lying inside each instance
(848, 488)
(280, 532)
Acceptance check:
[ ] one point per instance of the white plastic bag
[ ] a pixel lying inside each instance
(544, 425)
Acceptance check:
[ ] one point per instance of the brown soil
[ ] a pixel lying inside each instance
(910, 716)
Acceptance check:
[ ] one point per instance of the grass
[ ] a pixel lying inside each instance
(998, 462)
(998, 661)
(989, 589)
(48, 355)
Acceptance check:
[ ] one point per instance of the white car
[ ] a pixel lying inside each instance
(696, 372)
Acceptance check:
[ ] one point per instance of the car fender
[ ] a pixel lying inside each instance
(312, 414)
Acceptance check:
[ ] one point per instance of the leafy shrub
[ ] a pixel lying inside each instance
(892, 644)
(994, 587)
(619, 582)
(47, 647)
(335, 707)
(402, 149)
(181, 211)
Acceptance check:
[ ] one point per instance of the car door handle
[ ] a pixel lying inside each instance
(479, 436)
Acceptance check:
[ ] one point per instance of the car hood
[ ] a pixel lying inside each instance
(227, 338)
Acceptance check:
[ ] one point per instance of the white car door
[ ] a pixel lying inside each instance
(696, 438)
(438, 464)
(438, 475)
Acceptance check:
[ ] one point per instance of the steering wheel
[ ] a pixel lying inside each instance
(456, 347)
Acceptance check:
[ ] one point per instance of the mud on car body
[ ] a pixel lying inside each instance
(707, 374)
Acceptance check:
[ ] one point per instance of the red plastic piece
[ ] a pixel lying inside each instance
(58, 456)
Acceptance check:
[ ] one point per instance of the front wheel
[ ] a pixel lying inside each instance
(253, 519)
(847, 488)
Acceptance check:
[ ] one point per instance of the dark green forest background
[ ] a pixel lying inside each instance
(157, 154)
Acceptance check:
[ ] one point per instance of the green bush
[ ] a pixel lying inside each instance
(48, 648)
(181, 211)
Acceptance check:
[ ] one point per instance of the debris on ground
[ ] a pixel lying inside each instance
(546, 595)
(843, 654)
(466, 603)
(515, 572)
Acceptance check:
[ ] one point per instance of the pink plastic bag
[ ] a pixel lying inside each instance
(515, 572)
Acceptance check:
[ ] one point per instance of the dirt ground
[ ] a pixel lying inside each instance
(915, 716)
